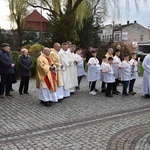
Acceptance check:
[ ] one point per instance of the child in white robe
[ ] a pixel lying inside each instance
(103, 64)
(134, 73)
(125, 74)
(115, 66)
(93, 73)
(80, 66)
(109, 77)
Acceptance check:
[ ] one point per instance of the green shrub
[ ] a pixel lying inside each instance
(33, 71)
(35, 49)
(141, 57)
(15, 55)
(141, 70)
(27, 46)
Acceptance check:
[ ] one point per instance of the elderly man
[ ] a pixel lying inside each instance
(65, 61)
(46, 78)
(109, 53)
(146, 77)
(56, 60)
(6, 69)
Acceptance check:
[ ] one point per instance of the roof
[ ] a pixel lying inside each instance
(118, 28)
(35, 16)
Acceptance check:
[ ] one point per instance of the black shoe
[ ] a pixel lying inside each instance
(96, 90)
(11, 89)
(60, 100)
(115, 93)
(103, 91)
(9, 95)
(109, 95)
(47, 104)
(20, 93)
(118, 92)
(26, 93)
(124, 94)
(2, 96)
(71, 93)
(146, 96)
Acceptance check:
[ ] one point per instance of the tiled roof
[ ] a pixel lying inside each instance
(35, 16)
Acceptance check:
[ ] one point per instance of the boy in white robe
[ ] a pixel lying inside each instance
(93, 73)
(80, 66)
(103, 64)
(109, 77)
(115, 66)
(125, 74)
(146, 77)
(134, 73)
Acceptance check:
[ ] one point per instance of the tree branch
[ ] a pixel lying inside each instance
(77, 3)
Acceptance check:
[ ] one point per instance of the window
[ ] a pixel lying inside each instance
(115, 37)
(138, 28)
(107, 37)
(133, 28)
(141, 37)
(118, 37)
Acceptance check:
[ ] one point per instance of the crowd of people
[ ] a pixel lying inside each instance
(60, 70)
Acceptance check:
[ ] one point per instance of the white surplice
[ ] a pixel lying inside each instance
(104, 68)
(80, 65)
(72, 69)
(115, 66)
(134, 69)
(46, 95)
(94, 70)
(65, 61)
(125, 71)
(109, 75)
(146, 76)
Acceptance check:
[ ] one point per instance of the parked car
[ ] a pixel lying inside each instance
(140, 53)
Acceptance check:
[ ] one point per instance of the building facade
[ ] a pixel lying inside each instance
(130, 34)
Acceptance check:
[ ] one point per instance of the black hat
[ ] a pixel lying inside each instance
(4, 44)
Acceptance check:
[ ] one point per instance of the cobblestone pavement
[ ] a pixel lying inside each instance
(81, 122)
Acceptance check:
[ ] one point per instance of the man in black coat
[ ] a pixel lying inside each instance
(6, 69)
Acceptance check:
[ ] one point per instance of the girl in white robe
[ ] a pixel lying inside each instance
(146, 77)
(93, 73)
(80, 66)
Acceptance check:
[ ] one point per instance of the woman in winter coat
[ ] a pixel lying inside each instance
(25, 66)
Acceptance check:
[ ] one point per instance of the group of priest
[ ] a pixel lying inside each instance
(59, 72)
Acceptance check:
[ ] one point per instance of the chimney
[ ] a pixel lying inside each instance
(135, 21)
(128, 22)
(120, 25)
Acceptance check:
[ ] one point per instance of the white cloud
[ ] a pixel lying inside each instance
(141, 15)
(4, 13)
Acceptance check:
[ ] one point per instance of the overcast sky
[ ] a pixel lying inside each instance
(142, 16)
